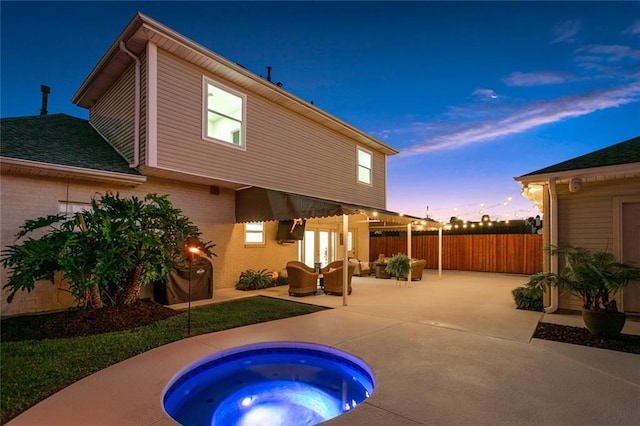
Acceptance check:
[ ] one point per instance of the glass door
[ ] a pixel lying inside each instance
(309, 248)
(318, 247)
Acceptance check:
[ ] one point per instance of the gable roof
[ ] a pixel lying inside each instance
(621, 153)
(142, 30)
(63, 143)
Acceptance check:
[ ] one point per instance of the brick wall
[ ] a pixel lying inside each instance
(29, 196)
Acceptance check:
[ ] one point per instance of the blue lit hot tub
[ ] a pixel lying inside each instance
(274, 383)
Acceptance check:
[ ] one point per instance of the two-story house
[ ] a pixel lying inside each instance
(234, 151)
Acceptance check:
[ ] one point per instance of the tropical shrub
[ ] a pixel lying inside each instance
(593, 275)
(254, 280)
(281, 280)
(528, 298)
(107, 253)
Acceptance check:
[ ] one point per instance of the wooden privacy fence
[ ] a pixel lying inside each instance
(512, 253)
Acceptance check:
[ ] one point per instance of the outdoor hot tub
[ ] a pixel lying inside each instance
(273, 383)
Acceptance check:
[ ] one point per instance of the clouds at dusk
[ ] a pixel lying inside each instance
(605, 76)
(633, 29)
(566, 31)
(537, 78)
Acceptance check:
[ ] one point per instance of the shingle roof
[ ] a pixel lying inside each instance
(62, 140)
(621, 153)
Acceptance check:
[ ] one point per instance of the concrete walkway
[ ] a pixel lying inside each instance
(450, 351)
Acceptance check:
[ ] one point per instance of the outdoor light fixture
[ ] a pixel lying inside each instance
(191, 252)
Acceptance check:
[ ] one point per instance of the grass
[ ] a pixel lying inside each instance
(34, 370)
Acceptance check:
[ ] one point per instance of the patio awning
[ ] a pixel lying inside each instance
(264, 205)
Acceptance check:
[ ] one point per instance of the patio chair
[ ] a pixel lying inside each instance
(303, 280)
(361, 268)
(333, 277)
(417, 266)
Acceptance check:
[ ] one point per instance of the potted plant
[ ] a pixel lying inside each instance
(595, 276)
(399, 266)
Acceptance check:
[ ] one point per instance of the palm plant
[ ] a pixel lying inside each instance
(399, 265)
(593, 275)
(111, 251)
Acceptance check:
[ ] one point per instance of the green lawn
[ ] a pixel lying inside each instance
(33, 370)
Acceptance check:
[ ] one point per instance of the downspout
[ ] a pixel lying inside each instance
(553, 237)
(136, 134)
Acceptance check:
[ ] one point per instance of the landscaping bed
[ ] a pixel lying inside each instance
(581, 336)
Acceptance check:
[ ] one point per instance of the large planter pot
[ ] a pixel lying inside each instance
(604, 324)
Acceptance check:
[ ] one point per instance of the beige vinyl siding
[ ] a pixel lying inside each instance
(114, 113)
(284, 151)
(586, 219)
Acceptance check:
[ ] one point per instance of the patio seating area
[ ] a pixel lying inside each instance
(443, 351)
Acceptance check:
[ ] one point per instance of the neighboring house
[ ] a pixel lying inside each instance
(591, 201)
(167, 115)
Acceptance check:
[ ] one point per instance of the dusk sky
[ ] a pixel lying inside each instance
(471, 93)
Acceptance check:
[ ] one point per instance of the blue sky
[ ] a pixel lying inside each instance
(472, 94)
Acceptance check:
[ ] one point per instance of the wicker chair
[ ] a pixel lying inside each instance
(303, 280)
(333, 277)
(417, 266)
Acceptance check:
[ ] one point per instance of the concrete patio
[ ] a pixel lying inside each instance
(449, 351)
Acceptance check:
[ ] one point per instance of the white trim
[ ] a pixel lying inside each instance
(595, 173)
(151, 145)
(243, 123)
(80, 171)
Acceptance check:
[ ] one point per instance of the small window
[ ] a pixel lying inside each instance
(68, 208)
(254, 233)
(364, 166)
(223, 114)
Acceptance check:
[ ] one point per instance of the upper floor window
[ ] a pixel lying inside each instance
(224, 113)
(364, 166)
(254, 233)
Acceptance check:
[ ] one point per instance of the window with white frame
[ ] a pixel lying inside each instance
(68, 208)
(224, 111)
(364, 166)
(254, 233)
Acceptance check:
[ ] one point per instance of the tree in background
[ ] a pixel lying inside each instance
(107, 253)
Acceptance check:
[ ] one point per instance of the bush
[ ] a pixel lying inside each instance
(528, 298)
(254, 280)
(281, 281)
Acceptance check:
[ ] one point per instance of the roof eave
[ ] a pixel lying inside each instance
(47, 169)
(618, 171)
(154, 30)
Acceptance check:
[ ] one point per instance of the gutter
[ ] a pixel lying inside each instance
(553, 236)
(136, 137)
